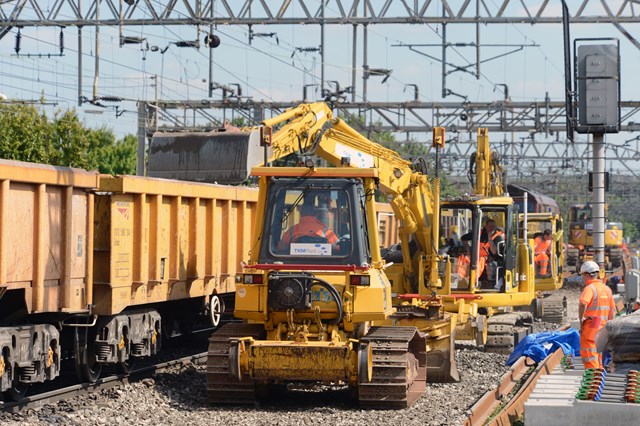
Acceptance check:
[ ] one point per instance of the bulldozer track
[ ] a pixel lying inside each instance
(221, 387)
(504, 331)
(399, 368)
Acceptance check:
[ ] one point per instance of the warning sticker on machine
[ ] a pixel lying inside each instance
(310, 249)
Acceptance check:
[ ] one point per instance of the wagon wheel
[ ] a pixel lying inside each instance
(87, 368)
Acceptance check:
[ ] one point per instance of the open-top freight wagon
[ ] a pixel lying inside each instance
(100, 268)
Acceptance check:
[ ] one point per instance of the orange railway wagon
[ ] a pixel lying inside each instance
(99, 269)
(46, 237)
(165, 252)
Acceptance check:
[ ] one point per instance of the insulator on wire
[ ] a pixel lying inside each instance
(17, 47)
(61, 42)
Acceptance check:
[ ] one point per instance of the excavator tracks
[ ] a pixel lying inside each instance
(554, 309)
(221, 387)
(504, 331)
(399, 372)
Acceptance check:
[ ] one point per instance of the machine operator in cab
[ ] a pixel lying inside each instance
(542, 251)
(490, 258)
(312, 227)
(595, 309)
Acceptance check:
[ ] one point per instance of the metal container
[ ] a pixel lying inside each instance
(388, 225)
(160, 240)
(46, 235)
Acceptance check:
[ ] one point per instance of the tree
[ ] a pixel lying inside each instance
(27, 134)
(120, 158)
(24, 134)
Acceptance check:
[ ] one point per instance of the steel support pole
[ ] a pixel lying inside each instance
(210, 51)
(478, 40)
(365, 64)
(80, 63)
(96, 75)
(598, 214)
(354, 60)
(322, 51)
(444, 60)
(142, 136)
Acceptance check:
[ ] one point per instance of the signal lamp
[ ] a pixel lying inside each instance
(363, 280)
(253, 279)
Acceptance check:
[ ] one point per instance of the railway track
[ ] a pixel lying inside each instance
(40, 399)
(505, 403)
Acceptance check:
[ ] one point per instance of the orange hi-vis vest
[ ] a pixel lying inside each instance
(541, 257)
(485, 251)
(543, 246)
(308, 225)
(599, 304)
(463, 265)
(485, 248)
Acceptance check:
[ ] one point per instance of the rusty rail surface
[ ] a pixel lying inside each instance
(482, 412)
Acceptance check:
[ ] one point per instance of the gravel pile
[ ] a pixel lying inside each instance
(178, 397)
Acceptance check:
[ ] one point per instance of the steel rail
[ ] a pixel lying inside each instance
(497, 407)
(41, 399)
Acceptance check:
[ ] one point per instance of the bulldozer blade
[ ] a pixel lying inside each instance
(223, 156)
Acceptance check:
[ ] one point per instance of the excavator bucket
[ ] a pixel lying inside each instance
(441, 353)
(223, 156)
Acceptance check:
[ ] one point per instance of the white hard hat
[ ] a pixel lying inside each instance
(589, 267)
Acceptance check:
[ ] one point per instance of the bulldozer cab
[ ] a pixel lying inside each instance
(315, 221)
(484, 259)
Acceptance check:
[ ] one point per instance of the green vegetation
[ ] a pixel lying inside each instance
(26, 134)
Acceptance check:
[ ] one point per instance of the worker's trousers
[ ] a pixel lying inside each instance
(590, 356)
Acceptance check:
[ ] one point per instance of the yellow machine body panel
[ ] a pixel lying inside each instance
(301, 361)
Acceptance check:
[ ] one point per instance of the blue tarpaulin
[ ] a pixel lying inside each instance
(538, 346)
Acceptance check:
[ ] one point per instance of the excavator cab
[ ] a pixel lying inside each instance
(484, 258)
(580, 239)
(545, 230)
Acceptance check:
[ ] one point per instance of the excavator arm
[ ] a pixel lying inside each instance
(485, 169)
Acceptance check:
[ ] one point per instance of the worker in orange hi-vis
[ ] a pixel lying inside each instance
(490, 236)
(595, 309)
(310, 225)
(543, 252)
(464, 260)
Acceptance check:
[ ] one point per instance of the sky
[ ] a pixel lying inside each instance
(272, 68)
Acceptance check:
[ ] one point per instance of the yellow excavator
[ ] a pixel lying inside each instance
(318, 300)
(491, 255)
(581, 239)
